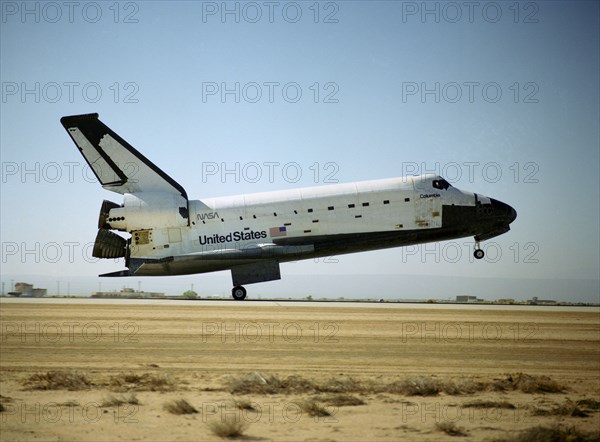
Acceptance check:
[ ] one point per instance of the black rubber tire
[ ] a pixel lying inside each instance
(238, 293)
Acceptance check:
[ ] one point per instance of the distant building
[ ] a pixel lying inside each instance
(536, 301)
(127, 293)
(467, 298)
(25, 290)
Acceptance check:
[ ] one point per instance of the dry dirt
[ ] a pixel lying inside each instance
(114, 371)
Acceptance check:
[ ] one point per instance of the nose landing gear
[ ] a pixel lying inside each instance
(478, 253)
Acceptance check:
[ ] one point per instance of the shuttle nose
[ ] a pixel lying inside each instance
(504, 210)
(512, 215)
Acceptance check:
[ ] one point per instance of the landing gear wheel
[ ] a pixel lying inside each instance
(238, 293)
(478, 254)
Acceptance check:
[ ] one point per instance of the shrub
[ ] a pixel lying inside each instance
(141, 382)
(489, 404)
(114, 401)
(58, 380)
(180, 406)
(450, 429)
(244, 404)
(228, 427)
(313, 409)
(343, 400)
(528, 384)
(553, 434)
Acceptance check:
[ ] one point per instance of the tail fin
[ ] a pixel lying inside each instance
(118, 166)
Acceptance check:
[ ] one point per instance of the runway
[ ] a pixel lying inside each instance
(201, 346)
(300, 303)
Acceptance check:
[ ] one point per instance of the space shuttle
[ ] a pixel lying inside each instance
(164, 232)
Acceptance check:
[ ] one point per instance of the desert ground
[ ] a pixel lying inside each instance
(267, 371)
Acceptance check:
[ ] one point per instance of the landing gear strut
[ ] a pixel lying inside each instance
(478, 253)
(238, 293)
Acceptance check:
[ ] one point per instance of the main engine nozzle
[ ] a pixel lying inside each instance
(109, 245)
(107, 206)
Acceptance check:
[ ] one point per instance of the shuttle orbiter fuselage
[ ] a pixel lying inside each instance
(252, 234)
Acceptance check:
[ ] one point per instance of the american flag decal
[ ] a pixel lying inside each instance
(277, 231)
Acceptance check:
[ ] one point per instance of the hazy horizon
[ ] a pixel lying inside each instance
(328, 286)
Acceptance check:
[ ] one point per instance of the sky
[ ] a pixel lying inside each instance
(501, 98)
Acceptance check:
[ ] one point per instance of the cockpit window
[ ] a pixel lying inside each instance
(441, 184)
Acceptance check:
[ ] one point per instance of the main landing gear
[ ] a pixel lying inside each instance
(238, 293)
(478, 253)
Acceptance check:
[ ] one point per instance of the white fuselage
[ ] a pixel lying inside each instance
(239, 222)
